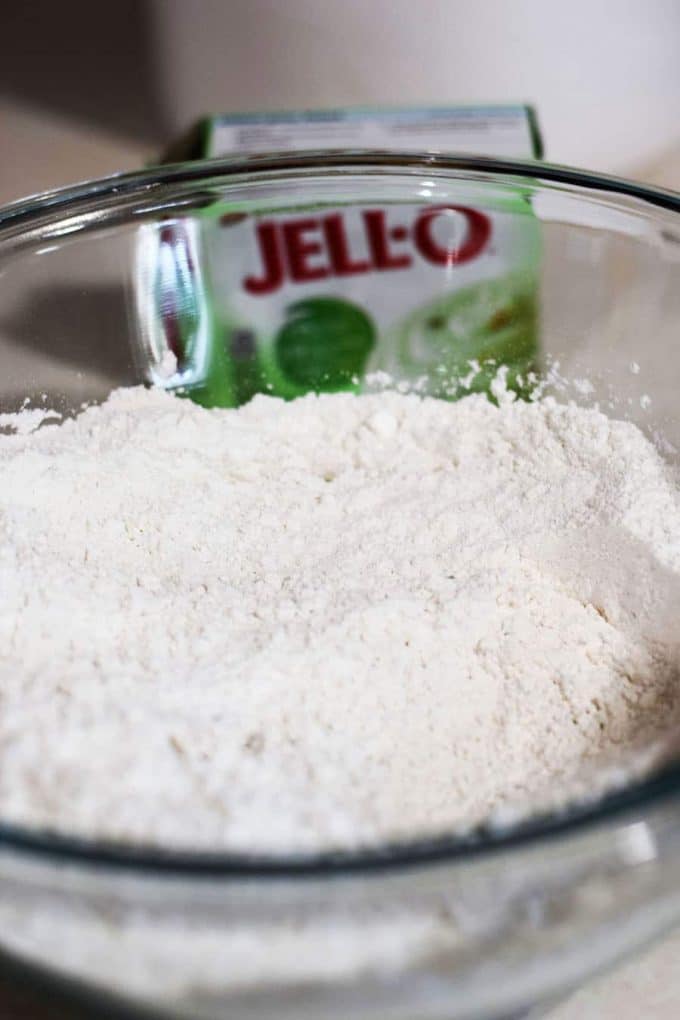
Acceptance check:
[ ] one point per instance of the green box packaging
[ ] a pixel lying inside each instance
(257, 296)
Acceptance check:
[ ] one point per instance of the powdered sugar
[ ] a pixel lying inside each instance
(327, 622)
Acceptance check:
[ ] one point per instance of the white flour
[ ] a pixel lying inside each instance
(327, 622)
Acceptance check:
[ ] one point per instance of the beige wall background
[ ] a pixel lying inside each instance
(87, 89)
(604, 74)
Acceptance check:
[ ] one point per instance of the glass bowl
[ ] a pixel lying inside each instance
(115, 282)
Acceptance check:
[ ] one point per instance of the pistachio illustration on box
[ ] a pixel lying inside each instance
(324, 343)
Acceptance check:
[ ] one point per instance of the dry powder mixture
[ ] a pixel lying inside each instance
(328, 622)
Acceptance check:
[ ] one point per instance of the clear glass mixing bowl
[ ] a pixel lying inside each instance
(486, 926)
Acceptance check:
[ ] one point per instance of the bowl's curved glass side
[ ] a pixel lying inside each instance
(66, 321)
(470, 938)
(478, 939)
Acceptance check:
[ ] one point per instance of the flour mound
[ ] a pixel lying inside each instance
(329, 622)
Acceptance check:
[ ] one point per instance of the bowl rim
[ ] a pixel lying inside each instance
(149, 180)
(661, 787)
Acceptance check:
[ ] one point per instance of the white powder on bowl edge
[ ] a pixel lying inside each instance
(330, 622)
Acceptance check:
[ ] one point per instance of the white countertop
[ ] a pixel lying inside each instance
(41, 151)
